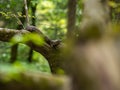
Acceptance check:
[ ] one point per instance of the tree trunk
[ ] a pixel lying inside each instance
(85, 59)
(117, 12)
(71, 17)
(33, 8)
(14, 48)
(34, 81)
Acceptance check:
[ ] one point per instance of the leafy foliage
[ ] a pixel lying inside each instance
(8, 10)
(51, 17)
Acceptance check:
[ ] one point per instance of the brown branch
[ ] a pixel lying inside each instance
(34, 81)
(49, 50)
(7, 34)
(26, 11)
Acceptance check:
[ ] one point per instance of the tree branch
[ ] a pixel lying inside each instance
(45, 50)
(7, 34)
(34, 81)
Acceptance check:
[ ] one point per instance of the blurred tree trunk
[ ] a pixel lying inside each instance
(33, 10)
(34, 81)
(14, 48)
(14, 51)
(114, 11)
(117, 11)
(55, 60)
(83, 61)
(71, 17)
(111, 12)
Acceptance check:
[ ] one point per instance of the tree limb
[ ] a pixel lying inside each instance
(49, 50)
(34, 81)
(7, 34)
(45, 50)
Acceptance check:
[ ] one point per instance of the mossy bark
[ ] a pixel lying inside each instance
(33, 81)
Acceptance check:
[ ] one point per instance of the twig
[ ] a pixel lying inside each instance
(26, 11)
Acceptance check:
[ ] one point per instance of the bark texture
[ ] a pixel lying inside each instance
(34, 81)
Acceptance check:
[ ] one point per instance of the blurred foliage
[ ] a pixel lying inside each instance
(9, 8)
(115, 10)
(112, 4)
(4, 52)
(51, 17)
(33, 37)
(19, 66)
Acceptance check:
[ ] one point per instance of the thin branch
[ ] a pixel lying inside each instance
(26, 11)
